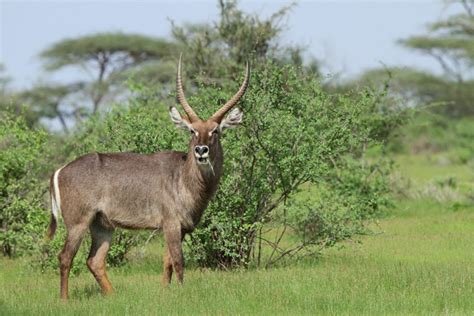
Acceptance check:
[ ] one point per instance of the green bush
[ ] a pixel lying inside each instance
(21, 190)
(294, 135)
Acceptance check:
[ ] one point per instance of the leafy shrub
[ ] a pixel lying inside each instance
(21, 191)
(294, 135)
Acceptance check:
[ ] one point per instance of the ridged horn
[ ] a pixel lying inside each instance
(219, 115)
(181, 98)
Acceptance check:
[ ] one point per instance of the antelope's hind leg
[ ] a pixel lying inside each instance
(101, 236)
(74, 238)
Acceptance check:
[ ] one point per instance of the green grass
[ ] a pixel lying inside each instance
(420, 261)
(425, 168)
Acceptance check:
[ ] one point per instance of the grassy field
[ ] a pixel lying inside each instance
(421, 261)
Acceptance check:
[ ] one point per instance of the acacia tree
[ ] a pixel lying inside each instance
(104, 56)
(10, 102)
(451, 43)
(47, 101)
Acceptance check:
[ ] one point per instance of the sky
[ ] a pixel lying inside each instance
(347, 36)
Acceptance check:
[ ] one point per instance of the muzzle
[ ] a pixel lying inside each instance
(202, 154)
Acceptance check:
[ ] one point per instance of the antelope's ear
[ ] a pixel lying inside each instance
(232, 120)
(178, 120)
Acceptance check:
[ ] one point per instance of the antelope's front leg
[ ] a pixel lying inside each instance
(173, 239)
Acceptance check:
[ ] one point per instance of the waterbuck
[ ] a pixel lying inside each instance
(166, 190)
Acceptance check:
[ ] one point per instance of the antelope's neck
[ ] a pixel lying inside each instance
(202, 180)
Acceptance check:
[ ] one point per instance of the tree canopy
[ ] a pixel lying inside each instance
(105, 55)
(451, 43)
(113, 51)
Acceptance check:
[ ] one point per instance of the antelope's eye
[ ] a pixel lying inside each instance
(193, 132)
(215, 132)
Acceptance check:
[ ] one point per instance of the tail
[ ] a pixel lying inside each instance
(55, 204)
(52, 227)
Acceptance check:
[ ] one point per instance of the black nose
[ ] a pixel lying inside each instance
(201, 150)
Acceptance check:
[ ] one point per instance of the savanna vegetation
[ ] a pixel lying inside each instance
(337, 198)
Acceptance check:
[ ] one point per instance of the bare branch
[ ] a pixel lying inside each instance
(468, 7)
(446, 67)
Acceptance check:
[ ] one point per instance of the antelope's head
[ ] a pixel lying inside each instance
(205, 134)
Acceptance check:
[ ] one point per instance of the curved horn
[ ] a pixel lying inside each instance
(181, 98)
(219, 115)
